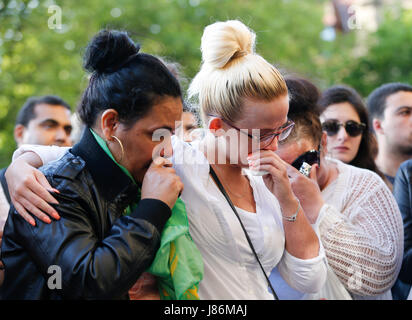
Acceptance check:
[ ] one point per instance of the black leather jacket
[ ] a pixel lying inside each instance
(402, 191)
(100, 252)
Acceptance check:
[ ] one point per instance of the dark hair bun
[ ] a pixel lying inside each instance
(303, 96)
(108, 51)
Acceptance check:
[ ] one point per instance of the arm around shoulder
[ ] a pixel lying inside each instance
(45, 154)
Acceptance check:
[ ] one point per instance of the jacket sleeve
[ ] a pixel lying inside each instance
(403, 194)
(93, 268)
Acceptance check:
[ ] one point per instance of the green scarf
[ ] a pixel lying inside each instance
(178, 264)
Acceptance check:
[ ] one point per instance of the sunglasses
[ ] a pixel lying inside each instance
(352, 128)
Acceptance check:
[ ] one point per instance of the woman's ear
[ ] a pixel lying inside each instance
(109, 122)
(216, 126)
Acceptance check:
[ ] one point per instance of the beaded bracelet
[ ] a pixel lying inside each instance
(293, 217)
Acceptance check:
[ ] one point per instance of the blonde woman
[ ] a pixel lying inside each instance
(240, 94)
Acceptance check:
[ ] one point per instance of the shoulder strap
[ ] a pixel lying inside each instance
(222, 189)
(4, 184)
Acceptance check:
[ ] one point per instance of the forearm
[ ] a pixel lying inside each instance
(95, 268)
(303, 265)
(301, 240)
(113, 265)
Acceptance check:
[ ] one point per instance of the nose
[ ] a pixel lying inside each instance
(167, 150)
(342, 134)
(187, 137)
(62, 138)
(273, 146)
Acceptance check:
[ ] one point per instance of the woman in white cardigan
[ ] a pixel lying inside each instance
(237, 88)
(360, 224)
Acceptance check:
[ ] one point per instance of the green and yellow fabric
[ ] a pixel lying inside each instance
(178, 265)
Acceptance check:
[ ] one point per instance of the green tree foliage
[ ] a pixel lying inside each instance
(389, 58)
(38, 59)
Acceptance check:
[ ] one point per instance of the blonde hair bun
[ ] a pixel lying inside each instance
(231, 71)
(223, 42)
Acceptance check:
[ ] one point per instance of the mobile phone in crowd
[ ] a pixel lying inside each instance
(306, 160)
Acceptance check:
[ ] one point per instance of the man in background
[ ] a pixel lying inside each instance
(390, 109)
(44, 121)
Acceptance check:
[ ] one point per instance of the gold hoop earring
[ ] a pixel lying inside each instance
(121, 147)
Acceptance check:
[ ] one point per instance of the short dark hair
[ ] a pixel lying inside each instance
(26, 113)
(123, 79)
(303, 109)
(376, 101)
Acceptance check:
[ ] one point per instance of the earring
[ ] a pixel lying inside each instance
(121, 147)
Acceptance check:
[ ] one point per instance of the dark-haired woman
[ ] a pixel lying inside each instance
(105, 237)
(345, 120)
(359, 223)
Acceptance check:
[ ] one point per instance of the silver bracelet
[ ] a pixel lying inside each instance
(293, 217)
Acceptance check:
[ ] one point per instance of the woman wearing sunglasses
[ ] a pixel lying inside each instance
(243, 224)
(345, 120)
(360, 225)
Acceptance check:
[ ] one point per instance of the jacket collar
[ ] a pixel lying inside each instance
(110, 180)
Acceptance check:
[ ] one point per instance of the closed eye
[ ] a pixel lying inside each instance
(405, 112)
(49, 123)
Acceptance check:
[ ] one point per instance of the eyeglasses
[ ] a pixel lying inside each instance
(267, 139)
(353, 128)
